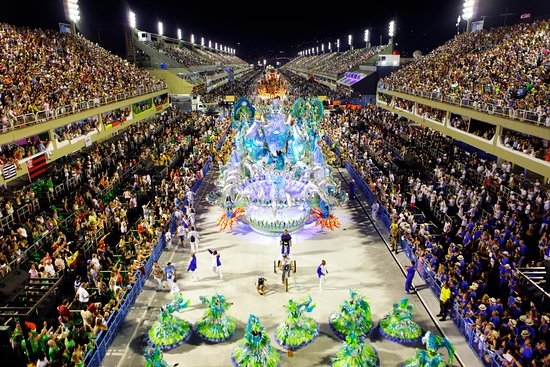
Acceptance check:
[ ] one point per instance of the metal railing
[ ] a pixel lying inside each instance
(490, 106)
(28, 119)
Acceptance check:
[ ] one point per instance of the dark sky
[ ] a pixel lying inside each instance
(275, 29)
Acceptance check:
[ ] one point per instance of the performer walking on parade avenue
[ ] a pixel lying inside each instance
(411, 270)
(192, 267)
(286, 242)
(321, 273)
(216, 263)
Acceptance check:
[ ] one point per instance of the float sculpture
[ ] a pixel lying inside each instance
(276, 176)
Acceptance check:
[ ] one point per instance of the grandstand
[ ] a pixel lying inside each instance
(84, 153)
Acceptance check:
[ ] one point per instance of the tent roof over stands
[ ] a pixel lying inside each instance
(21, 297)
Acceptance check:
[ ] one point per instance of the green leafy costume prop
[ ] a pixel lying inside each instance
(431, 357)
(297, 330)
(353, 315)
(355, 352)
(255, 350)
(215, 326)
(398, 326)
(170, 331)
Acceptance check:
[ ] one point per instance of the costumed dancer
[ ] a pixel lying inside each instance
(255, 350)
(355, 352)
(286, 242)
(431, 357)
(170, 331)
(297, 330)
(153, 357)
(397, 325)
(353, 315)
(215, 326)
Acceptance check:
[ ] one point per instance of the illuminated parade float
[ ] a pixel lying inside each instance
(276, 176)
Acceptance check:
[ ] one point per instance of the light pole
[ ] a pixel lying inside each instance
(367, 38)
(391, 32)
(338, 44)
(350, 43)
(132, 23)
(468, 12)
(74, 13)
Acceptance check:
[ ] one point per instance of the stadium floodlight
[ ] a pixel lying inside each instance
(468, 10)
(192, 39)
(74, 13)
(179, 34)
(391, 32)
(367, 38)
(160, 29)
(329, 47)
(350, 43)
(209, 44)
(322, 48)
(338, 44)
(132, 19)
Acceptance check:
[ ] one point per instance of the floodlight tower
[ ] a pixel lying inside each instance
(350, 43)
(367, 38)
(468, 12)
(132, 24)
(391, 32)
(74, 13)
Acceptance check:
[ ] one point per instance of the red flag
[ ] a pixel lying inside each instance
(37, 166)
(525, 16)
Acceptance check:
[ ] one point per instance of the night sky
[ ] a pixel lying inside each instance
(275, 29)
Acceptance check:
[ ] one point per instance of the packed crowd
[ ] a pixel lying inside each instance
(53, 73)
(505, 66)
(534, 146)
(132, 223)
(494, 231)
(334, 61)
(499, 227)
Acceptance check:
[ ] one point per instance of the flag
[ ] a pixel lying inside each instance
(37, 166)
(525, 16)
(9, 170)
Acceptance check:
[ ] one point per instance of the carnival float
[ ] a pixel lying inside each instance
(276, 177)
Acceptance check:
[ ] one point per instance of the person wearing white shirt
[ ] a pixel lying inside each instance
(49, 269)
(82, 294)
(193, 237)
